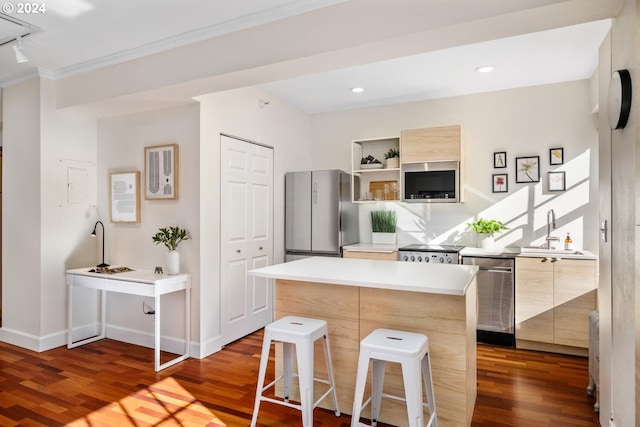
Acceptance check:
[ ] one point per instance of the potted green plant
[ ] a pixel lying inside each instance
(383, 227)
(485, 229)
(393, 158)
(171, 237)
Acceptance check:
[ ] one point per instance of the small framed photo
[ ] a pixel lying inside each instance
(500, 183)
(500, 159)
(161, 172)
(528, 169)
(556, 156)
(125, 197)
(556, 181)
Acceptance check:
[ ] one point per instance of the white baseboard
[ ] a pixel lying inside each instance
(145, 339)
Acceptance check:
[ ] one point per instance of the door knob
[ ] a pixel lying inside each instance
(260, 247)
(238, 250)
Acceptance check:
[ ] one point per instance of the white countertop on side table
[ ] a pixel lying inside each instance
(402, 276)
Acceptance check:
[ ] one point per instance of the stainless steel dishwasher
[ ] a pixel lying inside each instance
(496, 297)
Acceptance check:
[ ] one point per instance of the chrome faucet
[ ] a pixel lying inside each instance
(551, 225)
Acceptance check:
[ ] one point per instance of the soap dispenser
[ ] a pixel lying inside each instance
(568, 243)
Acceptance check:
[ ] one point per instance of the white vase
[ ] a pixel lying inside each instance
(172, 261)
(486, 241)
(383, 238)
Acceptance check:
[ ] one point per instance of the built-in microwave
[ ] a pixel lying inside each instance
(431, 182)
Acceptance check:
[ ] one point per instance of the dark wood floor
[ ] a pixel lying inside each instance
(109, 383)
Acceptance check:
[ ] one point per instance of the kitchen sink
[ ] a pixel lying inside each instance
(543, 251)
(556, 253)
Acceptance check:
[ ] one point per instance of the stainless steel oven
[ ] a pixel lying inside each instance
(435, 254)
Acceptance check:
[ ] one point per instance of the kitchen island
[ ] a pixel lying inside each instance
(356, 296)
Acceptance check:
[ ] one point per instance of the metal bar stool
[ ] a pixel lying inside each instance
(301, 333)
(412, 352)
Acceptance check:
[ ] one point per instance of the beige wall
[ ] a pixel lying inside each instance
(42, 236)
(239, 113)
(121, 143)
(618, 275)
(520, 122)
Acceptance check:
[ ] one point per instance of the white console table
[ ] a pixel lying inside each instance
(135, 282)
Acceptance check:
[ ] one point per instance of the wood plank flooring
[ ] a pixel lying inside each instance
(110, 383)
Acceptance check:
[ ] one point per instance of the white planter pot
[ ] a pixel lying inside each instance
(486, 241)
(383, 238)
(172, 261)
(393, 162)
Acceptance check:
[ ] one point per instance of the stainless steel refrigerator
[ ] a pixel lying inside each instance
(320, 217)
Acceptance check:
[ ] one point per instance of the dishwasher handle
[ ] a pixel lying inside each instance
(504, 270)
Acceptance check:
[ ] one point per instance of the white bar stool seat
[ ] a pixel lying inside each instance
(412, 352)
(301, 333)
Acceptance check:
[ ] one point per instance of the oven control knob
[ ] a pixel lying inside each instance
(406, 258)
(449, 260)
(441, 260)
(413, 258)
(426, 259)
(419, 258)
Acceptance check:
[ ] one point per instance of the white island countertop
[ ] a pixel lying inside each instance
(442, 279)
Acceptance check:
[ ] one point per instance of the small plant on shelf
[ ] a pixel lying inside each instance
(392, 153)
(171, 237)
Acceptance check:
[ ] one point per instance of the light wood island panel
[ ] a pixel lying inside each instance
(352, 312)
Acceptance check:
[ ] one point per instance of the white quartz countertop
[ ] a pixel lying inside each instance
(443, 279)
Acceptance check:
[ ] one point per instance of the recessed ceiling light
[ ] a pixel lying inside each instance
(356, 89)
(484, 69)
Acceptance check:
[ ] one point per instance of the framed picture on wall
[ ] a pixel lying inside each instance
(556, 181)
(500, 183)
(528, 169)
(161, 172)
(125, 197)
(500, 159)
(556, 156)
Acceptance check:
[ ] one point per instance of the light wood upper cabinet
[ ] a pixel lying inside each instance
(554, 299)
(431, 144)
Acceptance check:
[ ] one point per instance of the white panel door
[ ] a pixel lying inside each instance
(246, 236)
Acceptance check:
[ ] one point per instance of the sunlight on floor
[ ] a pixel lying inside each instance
(164, 403)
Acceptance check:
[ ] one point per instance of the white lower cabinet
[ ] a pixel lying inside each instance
(553, 300)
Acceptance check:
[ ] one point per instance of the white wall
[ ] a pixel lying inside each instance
(620, 315)
(238, 113)
(42, 237)
(121, 142)
(21, 211)
(522, 122)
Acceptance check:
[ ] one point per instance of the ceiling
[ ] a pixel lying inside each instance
(71, 37)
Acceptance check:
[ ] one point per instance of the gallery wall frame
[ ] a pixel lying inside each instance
(556, 181)
(500, 159)
(500, 183)
(161, 172)
(528, 169)
(125, 197)
(556, 156)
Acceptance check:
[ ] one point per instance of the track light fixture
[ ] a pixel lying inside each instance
(17, 49)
